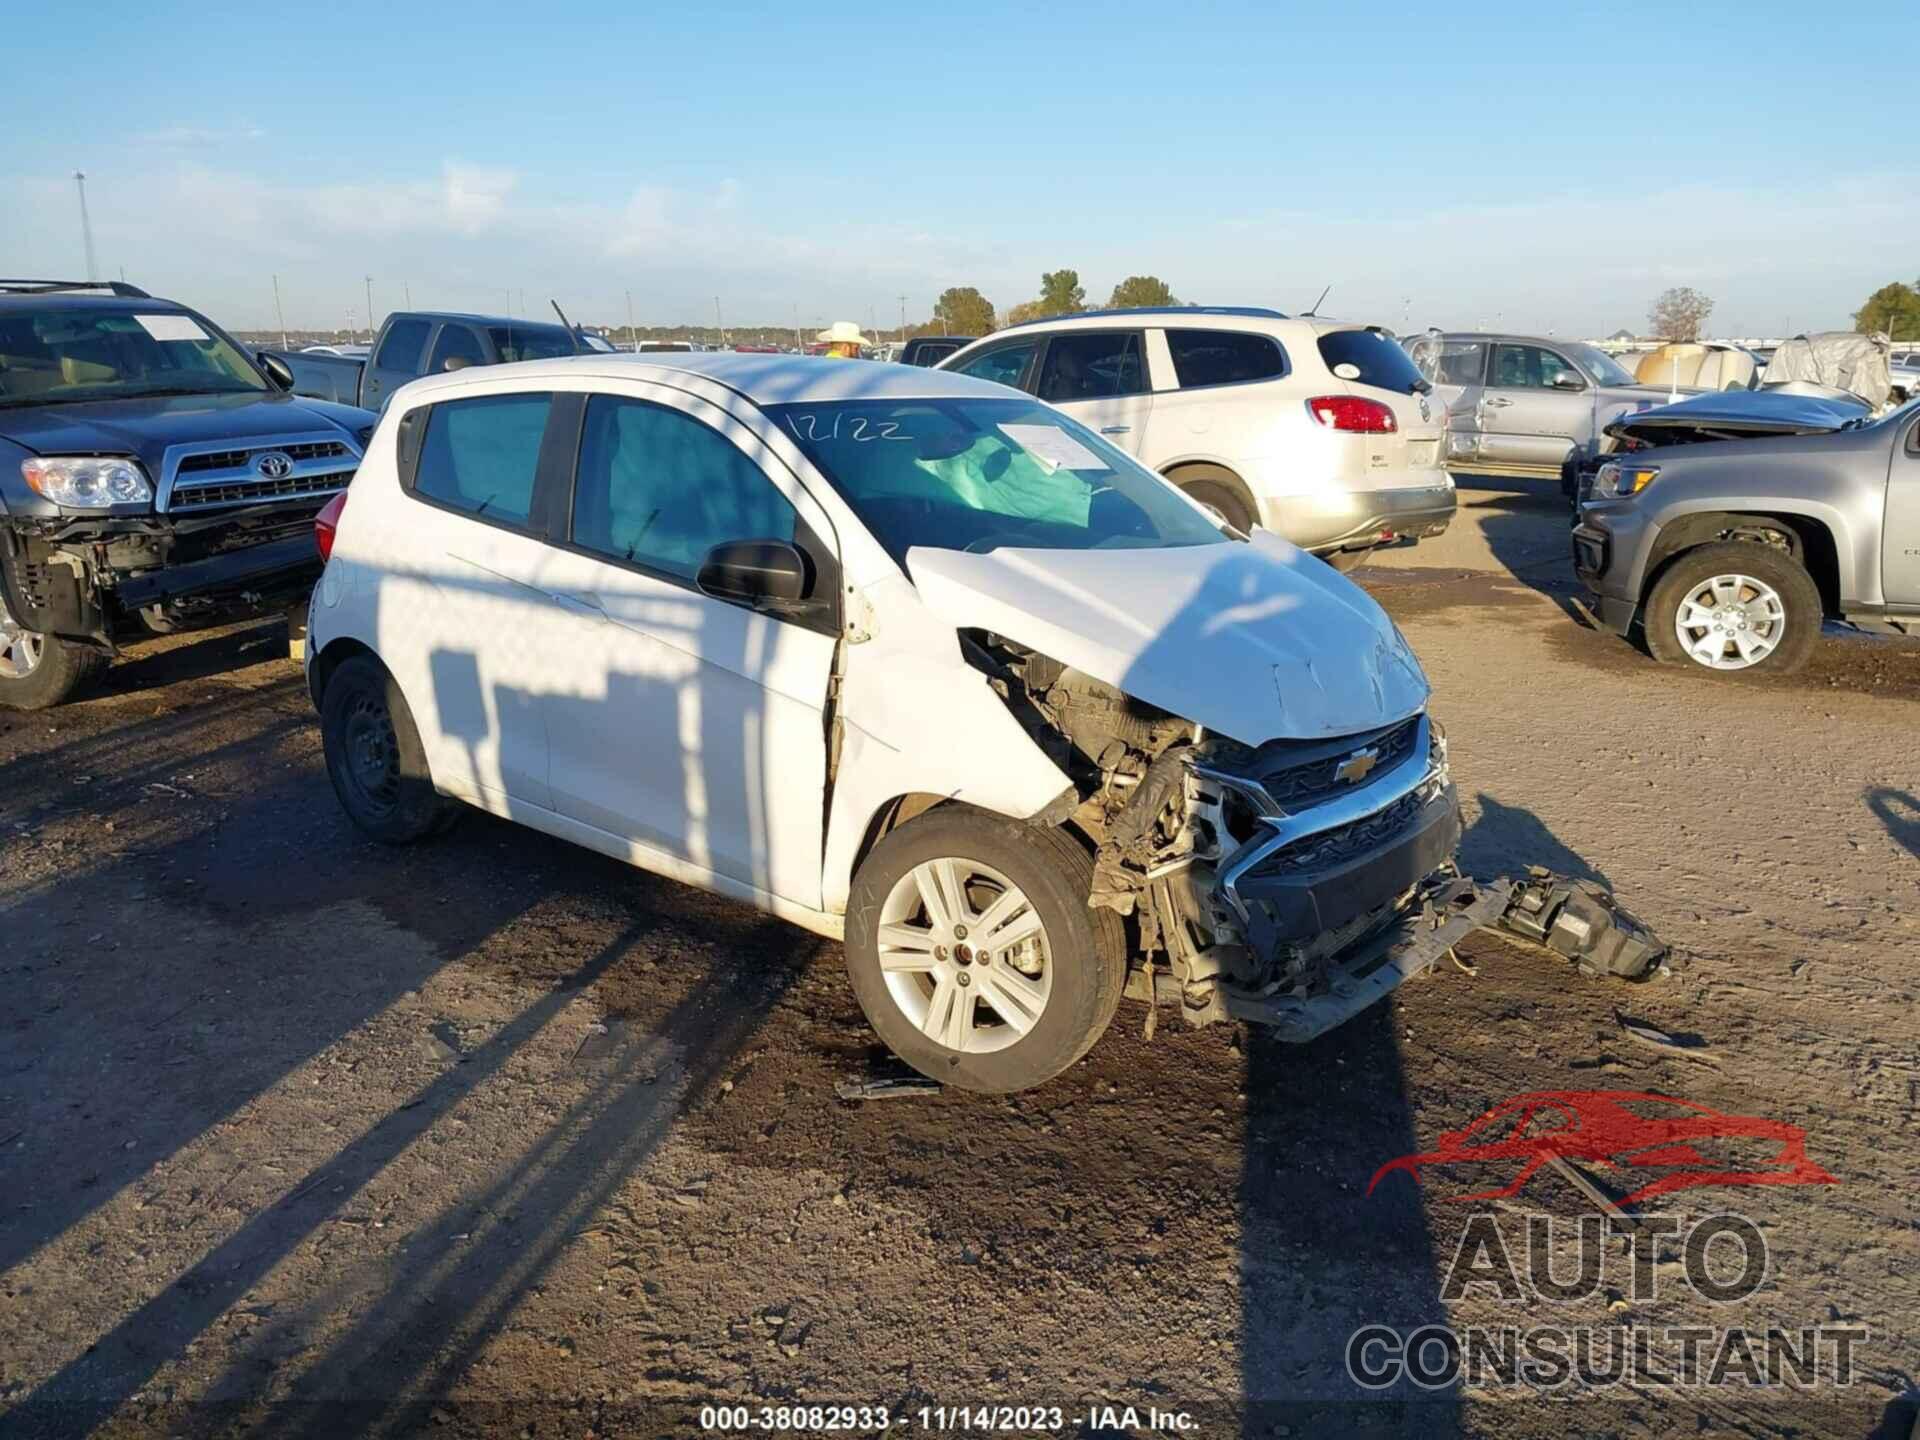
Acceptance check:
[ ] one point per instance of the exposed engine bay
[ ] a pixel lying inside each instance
(1293, 883)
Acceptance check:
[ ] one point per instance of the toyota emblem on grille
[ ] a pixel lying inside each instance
(1357, 766)
(273, 465)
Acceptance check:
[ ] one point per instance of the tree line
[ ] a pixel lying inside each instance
(963, 310)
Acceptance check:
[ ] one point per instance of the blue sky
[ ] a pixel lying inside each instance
(1541, 166)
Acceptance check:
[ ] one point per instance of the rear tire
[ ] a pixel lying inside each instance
(1220, 491)
(935, 999)
(39, 671)
(1765, 588)
(375, 759)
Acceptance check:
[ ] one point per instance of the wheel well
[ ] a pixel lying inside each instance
(1804, 538)
(336, 654)
(891, 816)
(1192, 470)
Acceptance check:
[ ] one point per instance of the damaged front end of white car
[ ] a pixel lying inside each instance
(1291, 883)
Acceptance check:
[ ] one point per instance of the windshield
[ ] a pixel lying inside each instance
(1602, 366)
(532, 342)
(962, 474)
(70, 353)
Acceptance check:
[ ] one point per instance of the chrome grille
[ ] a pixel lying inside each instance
(257, 492)
(241, 459)
(217, 476)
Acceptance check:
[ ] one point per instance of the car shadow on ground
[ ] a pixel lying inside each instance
(1899, 811)
(1506, 839)
(198, 655)
(1525, 523)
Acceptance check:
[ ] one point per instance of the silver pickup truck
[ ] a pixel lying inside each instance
(1728, 553)
(1525, 406)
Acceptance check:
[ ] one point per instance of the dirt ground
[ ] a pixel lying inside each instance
(299, 1135)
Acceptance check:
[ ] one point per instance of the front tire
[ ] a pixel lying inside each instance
(974, 953)
(39, 671)
(1734, 605)
(374, 756)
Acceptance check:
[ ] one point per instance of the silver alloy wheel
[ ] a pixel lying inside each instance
(1729, 622)
(964, 955)
(21, 650)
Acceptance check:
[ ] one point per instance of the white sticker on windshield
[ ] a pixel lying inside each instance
(171, 327)
(1053, 448)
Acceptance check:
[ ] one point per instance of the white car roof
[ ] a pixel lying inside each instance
(763, 379)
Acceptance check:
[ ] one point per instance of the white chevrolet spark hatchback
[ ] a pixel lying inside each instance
(903, 657)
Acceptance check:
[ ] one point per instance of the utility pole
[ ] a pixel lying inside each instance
(407, 290)
(633, 335)
(280, 314)
(369, 309)
(796, 329)
(903, 319)
(716, 320)
(86, 225)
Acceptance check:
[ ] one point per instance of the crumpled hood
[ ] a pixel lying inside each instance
(1258, 641)
(145, 428)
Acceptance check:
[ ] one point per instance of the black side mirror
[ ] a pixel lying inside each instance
(763, 573)
(278, 371)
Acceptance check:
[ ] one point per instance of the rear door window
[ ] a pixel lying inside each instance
(456, 342)
(480, 456)
(1224, 357)
(401, 349)
(1377, 361)
(1448, 362)
(1004, 364)
(1099, 366)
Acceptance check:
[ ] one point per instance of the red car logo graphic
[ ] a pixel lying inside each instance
(1674, 1144)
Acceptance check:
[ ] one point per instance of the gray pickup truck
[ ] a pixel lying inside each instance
(427, 342)
(1728, 553)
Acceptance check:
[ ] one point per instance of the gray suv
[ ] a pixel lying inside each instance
(1522, 405)
(1728, 554)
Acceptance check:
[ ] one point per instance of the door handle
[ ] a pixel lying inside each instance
(1496, 402)
(578, 605)
(1116, 429)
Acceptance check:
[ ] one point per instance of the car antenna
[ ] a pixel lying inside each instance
(572, 334)
(1316, 304)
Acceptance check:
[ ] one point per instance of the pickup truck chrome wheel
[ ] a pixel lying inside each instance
(21, 650)
(1729, 622)
(964, 955)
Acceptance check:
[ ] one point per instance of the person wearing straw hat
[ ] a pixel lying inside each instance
(844, 341)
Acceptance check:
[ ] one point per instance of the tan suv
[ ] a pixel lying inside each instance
(1320, 430)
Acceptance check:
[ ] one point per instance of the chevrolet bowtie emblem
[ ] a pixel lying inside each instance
(1357, 766)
